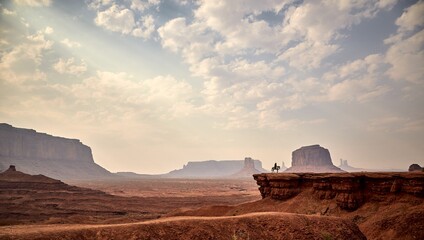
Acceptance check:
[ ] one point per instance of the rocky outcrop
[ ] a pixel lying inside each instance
(212, 169)
(312, 158)
(40, 153)
(344, 165)
(16, 180)
(349, 190)
(415, 168)
(248, 169)
(29, 199)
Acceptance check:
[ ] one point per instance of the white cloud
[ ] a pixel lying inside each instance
(120, 19)
(116, 19)
(412, 17)
(406, 52)
(406, 57)
(70, 44)
(193, 41)
(48, 30)
(22, 61)
(69, 67)
(238, 25)
(141, 5)
(33, 3)
(359, 80)
(308, 55)
(217, 42)
(97, 4)
(145, 27)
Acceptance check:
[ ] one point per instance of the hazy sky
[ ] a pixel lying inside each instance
(150, 85)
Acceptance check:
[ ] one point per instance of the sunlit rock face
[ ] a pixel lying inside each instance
(40, 153)
(312, 158)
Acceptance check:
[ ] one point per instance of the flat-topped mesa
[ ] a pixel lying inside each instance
(41, 153)
(312, 158)
(314, 155)
(27, 143)
(349, 190)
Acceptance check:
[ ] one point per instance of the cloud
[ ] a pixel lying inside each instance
(97, 4)
(116, 19)
(359, 80)
(224, 44)
(120, 19)
(143, 5)
(145, 27)
(48, 30)
(308, 55)
(69, 43)
(406, 57)
(34, 3)
(69, 67)
(412, 17)
(405, 53)
(22, 61)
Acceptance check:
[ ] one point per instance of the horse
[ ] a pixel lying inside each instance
(275, 168)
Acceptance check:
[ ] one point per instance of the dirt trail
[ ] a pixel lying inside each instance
(272, 225)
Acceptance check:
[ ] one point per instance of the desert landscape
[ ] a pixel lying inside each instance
(313, 199)
(212, 120)
(307, 206)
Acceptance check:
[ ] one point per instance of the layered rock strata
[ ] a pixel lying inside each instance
(40, 153)
(349, 190)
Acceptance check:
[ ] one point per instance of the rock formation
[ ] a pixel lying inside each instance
(344, 165)
(350, 190)
(212, 169)
(40, 153)
(312, 158)
(415, 168)
(248, 169)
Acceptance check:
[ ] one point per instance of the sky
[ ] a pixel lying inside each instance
(152, 84)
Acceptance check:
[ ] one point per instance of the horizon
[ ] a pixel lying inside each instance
(151, 85)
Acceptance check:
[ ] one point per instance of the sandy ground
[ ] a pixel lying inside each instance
(197, 209)
(128, 201)
(275, 225)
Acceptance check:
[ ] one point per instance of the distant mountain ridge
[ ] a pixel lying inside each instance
(41, 153)
(212, 169)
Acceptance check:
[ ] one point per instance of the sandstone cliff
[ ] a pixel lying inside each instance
(312, 158)
(40, 153)
(349, 190)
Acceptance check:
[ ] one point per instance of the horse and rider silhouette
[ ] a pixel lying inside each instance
(275, 168)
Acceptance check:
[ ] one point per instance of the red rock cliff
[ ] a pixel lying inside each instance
(350, 190)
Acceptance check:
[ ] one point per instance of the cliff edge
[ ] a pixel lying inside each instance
(40, 153)
(349, 190)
